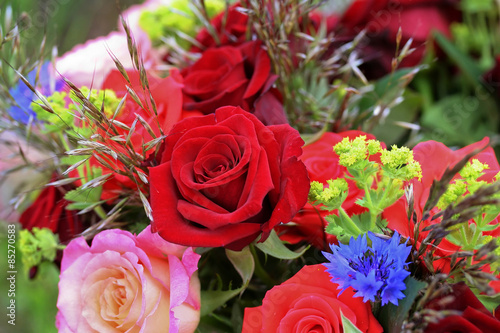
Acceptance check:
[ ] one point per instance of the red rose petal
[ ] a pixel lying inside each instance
(262, 68)
(171, 225)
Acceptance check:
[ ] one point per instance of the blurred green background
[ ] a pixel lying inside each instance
(70, 22)
(65, 23)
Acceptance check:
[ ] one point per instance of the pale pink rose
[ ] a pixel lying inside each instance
(90, 63)
(128, 283)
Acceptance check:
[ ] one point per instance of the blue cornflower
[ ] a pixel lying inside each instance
(23, 96)
(375, 272)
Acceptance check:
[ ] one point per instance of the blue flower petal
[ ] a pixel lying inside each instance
(375, 273)
(23, 96)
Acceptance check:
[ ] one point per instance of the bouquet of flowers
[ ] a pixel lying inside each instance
(259, 166)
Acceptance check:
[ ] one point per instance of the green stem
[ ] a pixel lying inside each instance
(100, 212)
(63, 141)
(475, 237)
(463, 236)
(350, 221)
(260, 272)
(371, 207)
(81, 174)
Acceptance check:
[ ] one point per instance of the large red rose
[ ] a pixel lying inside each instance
(309, 302)
(238, 76)
(322, 164)
(472, 316)
(49, 211)
(383, 18)
(225, 178)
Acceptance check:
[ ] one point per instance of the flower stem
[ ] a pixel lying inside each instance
(260, 272)
(100, 212)
(350, 221)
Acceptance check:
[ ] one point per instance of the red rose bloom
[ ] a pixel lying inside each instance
(225, 178)
(322, 164)
(309, 302)
(237, 76)
(382, 20)
(473, 317)
(49, 211)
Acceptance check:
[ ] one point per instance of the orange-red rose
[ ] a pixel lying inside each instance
(309, 302)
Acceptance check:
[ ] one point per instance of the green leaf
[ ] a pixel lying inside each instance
(468, 66)
(490, 302)
(392, 316)
(341, 227)
(392, 84)
(476, 6)
(237, 318)
(72, 159)
(84, 205)
(386, 89)
(243, 262)
(275, 248)
(87, 196)
(212, 299)
(213, 323)
(397, 123)
(348, 326)
(459, 120)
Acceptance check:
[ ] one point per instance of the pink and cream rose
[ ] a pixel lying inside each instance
(128, 283)
(90, 63)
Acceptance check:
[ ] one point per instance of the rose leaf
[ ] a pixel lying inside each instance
(275, 248)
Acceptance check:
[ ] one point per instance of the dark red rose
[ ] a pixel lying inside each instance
(225, 178)
(230, 27)
(382, 20)
(322, 164)
(238, 76)
(49, 211)
(471, 316)
(309, 302)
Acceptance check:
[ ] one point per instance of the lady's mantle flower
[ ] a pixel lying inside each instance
(375, 272)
